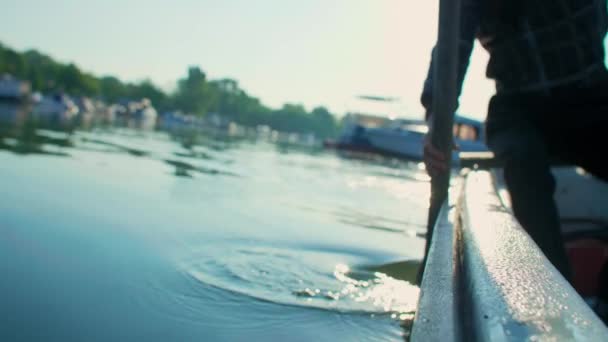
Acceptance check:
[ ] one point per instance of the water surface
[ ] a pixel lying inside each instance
(114, 233)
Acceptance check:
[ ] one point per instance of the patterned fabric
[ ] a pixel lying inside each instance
(534, 45)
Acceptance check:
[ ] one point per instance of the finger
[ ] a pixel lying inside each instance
(435, 172)
(431, 171)
(433, 159)
(436, 166)
(433, 152)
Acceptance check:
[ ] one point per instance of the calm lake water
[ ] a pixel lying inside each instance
(121, 234)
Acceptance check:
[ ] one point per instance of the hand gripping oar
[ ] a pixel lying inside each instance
(445, 93)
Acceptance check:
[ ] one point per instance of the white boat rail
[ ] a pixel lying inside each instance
(487, 280)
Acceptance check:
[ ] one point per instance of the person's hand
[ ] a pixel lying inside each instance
(435, 162)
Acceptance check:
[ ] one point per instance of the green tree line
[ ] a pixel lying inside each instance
(194, 93)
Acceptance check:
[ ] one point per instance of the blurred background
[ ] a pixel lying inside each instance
(307, 53)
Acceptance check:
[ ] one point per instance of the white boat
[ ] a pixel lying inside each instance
(402, 137)
(399, 137)
(85, 105)
(57, 106)
(145, 111)
(13, 89)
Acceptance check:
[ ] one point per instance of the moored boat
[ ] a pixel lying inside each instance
(402, 138)
(12, 89)
(56, 107)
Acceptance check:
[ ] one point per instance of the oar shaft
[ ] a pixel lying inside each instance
(445, 93)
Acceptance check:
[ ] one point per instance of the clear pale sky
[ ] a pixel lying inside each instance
(314, 52)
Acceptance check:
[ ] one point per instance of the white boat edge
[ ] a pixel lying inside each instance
(487, 280)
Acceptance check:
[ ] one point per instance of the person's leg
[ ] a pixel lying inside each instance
(528, 178)
(582, 135)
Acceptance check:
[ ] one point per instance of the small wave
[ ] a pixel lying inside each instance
(304, 278)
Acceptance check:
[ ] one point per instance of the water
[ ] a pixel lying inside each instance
(121, 234)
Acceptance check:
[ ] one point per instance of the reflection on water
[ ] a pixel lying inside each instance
(302, 276)
(180, 235)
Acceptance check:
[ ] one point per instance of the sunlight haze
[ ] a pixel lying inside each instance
(311, 52)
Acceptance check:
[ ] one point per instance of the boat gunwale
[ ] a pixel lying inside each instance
(507, 289)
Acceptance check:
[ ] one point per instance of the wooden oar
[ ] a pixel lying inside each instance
(445, 93)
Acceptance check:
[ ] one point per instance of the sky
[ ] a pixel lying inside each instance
(313, 52)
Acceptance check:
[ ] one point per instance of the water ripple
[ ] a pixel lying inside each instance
(302, 277)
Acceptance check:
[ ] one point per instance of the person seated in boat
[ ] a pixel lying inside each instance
(547, 59)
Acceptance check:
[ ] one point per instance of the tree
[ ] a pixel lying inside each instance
(194, 95)
(324, 123)
(112, 89)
